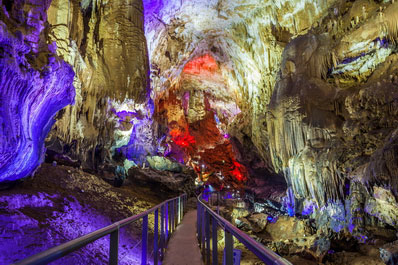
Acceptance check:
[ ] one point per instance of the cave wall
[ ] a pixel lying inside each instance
(89, 53)
(312, 86)
(315, 83)
(105, 44)
(35, 84)
(332, 117)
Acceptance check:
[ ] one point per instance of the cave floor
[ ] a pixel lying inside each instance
(183, 246)
(62, 203)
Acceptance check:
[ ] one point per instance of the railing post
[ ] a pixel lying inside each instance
(172, 217)
(229, 248)
(179, 210)
(198, 222)
(144, 240)
(166, 220)
(182, 207)
(214, 241)
(203, 240)
(114, 247)
(207, 237)
(155, 238)
(175, 213)
(162, 239)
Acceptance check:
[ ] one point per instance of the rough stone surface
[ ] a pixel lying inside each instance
(105, 44)
(175, 182)
(62, 203)
(389, 253)
(331, 121)
(163, 164)
(34, 84)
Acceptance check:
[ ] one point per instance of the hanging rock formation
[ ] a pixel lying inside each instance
(332, 118)
(105, 43)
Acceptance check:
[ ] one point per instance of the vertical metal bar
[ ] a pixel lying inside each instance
(203, 240)
(172, 217)
(229, 248)
(179, 210)
(182, 207)
(155, 238)
(214, 241)
(114, 248)
(162, 240)
(198, 222)
(144, 240)
(166, 220)
(177, 213)
(207, 237)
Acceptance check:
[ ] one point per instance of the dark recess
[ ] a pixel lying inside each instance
(8, 5)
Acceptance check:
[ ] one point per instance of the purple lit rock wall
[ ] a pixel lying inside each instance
(34, 85)
(63, 203)
(66, 219)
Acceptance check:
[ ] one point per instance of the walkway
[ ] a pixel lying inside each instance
(183, 248)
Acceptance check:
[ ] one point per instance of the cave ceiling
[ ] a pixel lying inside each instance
(222, 57)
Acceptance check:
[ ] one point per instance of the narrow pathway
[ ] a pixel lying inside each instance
(183, 246)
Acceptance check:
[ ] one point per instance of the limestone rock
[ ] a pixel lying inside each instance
(389, 253)
(383, 205)
(105, 44)
(169, 181)
(258, 221)
(239, 213)
(243, 224)
(35, 83)
(163, 164)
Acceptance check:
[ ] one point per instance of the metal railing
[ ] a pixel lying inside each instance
(207, 218)
(171, 212)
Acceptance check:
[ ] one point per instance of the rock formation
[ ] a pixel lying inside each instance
(331, 118)
(35, 85)
(105, 43)
(293, 102)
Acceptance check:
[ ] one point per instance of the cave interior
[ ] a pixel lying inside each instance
(108, 108)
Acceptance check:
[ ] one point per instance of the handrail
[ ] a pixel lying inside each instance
(170, 210)
(205, 214)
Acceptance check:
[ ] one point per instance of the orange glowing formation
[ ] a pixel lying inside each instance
(238, 171)
(200, 65)
(182, 139)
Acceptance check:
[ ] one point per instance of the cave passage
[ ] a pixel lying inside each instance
(197, 111)
(288, 110)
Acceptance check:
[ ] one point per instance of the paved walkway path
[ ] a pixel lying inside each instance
(183, 246)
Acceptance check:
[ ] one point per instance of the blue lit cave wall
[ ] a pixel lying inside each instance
(35, 85)
(69, 93)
